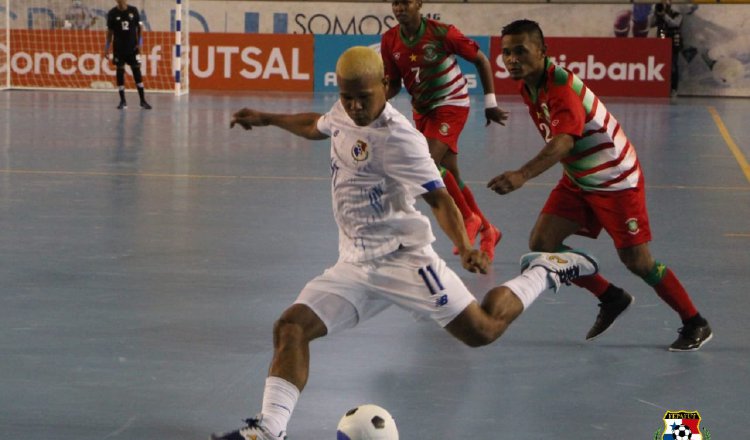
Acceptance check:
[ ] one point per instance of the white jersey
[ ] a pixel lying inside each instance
(377, 172)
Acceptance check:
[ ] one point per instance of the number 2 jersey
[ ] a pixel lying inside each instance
(124, 26)
(428, 64)
(602, 158)
(377, 172)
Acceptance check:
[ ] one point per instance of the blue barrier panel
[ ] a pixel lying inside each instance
(329, 47)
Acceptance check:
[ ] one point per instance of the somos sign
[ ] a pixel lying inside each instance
(637, 67)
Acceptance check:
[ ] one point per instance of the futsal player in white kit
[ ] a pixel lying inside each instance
(379, 164)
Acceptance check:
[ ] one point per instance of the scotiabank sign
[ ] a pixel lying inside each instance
(638, 67)
(259, 62)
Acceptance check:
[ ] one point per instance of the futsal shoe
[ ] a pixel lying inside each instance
(122, 105)
(490, 237)
(692, 337)
(563, 267)
(253, 431)
(616, 304)
(145, 105)
(473, 224)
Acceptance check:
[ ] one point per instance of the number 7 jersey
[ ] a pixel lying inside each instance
(428, 64)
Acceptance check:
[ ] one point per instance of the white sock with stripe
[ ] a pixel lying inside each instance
(279, 399)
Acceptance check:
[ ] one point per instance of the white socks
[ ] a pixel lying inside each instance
(530, 284)
(279, 400)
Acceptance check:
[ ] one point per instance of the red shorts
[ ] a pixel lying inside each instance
(622, 214)
(443, 123)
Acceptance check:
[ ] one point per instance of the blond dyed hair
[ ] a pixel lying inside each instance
(359, 62)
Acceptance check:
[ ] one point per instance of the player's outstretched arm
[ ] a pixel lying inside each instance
(301, 124)
(449, 218)
(492, 112)
(555, 150)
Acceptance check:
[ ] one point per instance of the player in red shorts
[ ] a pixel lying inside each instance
(602, 185)
(423, 53)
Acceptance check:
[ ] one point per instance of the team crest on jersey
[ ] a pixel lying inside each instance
(360, 151)
(444, 128)
(430, 52)
(632, 225)
(130, 16)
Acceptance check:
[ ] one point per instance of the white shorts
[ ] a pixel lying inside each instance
(417, 280)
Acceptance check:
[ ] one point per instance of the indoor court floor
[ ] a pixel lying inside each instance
(144, 256)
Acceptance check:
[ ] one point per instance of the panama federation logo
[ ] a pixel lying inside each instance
(444, 128)
(360, 151)
(682, 425)
(632, 225)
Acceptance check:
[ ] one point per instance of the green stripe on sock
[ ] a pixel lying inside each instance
(442, 171)
(657, 273)
(460, 184)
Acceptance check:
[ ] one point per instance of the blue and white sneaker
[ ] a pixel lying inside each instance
(253, 431)
(563, 267)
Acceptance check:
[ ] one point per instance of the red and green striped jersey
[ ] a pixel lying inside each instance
(428, 65)
(602, 159)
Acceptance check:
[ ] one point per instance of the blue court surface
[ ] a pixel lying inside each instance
(144, 256)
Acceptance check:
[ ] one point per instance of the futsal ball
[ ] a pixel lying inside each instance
(367, 422)
(728, 71)
(682, 433)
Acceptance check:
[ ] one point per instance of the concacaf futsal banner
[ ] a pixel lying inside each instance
(250, 62)
(637, 67)
(257, 62)
(34, 62)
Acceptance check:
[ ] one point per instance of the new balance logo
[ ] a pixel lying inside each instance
(443, 300)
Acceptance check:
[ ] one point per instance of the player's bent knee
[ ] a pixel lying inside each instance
(284, 329)
(474, 328)
(639, 263)
(298, 323)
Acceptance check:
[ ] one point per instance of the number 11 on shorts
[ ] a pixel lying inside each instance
(423, 272)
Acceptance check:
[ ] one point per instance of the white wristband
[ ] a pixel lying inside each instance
(490, 101)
